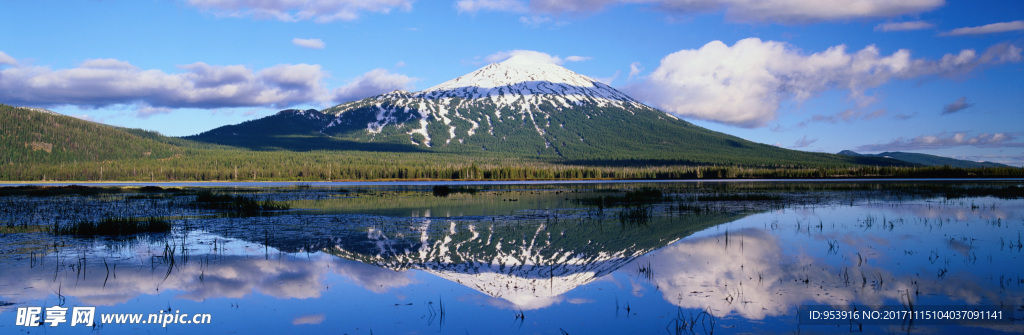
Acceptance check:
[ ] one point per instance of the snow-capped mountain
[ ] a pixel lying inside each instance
(518, 92)
(518, 107)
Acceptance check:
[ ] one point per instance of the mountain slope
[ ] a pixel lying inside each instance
(520, 108)
(292, 130)
(926, 160)
(32, 135)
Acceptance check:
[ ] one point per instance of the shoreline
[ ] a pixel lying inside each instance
(434, 182)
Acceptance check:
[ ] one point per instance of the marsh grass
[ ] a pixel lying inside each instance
(1005, 192)
(445, 190)
(643, 195)
(687, 324)
(114, 227)
(636, 215)
(45, 191)
(738, 197)
(236, 205)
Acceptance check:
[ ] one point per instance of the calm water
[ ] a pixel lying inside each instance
(646, 258)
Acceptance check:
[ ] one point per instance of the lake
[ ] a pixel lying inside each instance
(520, 258)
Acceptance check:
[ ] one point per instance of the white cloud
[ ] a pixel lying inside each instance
(313, 319)
(536, 56)
(375, 82)
(87, 117)
(473, 6)
(536, 20)
(300, 10)
(144, 112)
(5, 59)
(607, 80)
(569, 6)
(788, 11)
(988, 28)
(105, 82)
(1013, 160)
(781, 11)
(849, 115)
(956, 106)
(904, 26)
(634, 69)
(745, 84)
(803, 142)
(312, 43)
(944, 140)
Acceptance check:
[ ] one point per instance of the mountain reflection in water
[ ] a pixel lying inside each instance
(559, 265)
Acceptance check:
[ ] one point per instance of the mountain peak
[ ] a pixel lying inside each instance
(525, 76)
(516, 70)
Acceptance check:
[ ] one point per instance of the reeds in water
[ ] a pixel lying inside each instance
(114, 227)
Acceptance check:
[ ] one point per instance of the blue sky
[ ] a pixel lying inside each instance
(931, 76)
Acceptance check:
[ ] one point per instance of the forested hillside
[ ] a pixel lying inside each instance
(41, 136)
(43, 146)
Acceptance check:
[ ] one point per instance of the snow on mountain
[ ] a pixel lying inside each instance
(504, 83)
(530, 272)
(517, 90)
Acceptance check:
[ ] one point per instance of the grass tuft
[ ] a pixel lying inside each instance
(236, 204)
(445, 190)
(115, 227)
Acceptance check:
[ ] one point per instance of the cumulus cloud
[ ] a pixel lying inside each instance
(956, 106)
(536, 56)
(375, 82)
(745, 84)
(944, 140)
(105, 82)
(300, 10)
(312, 43)
(904, 26)
(988, 28)
(781, 11)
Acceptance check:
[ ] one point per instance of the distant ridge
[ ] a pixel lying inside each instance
(926, 160)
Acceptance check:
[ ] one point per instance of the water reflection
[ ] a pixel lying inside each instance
(527, 264)
(560, 264)
(756, 278)
(918, 253)
(235, 276)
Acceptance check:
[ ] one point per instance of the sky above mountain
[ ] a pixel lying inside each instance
(930, 76)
